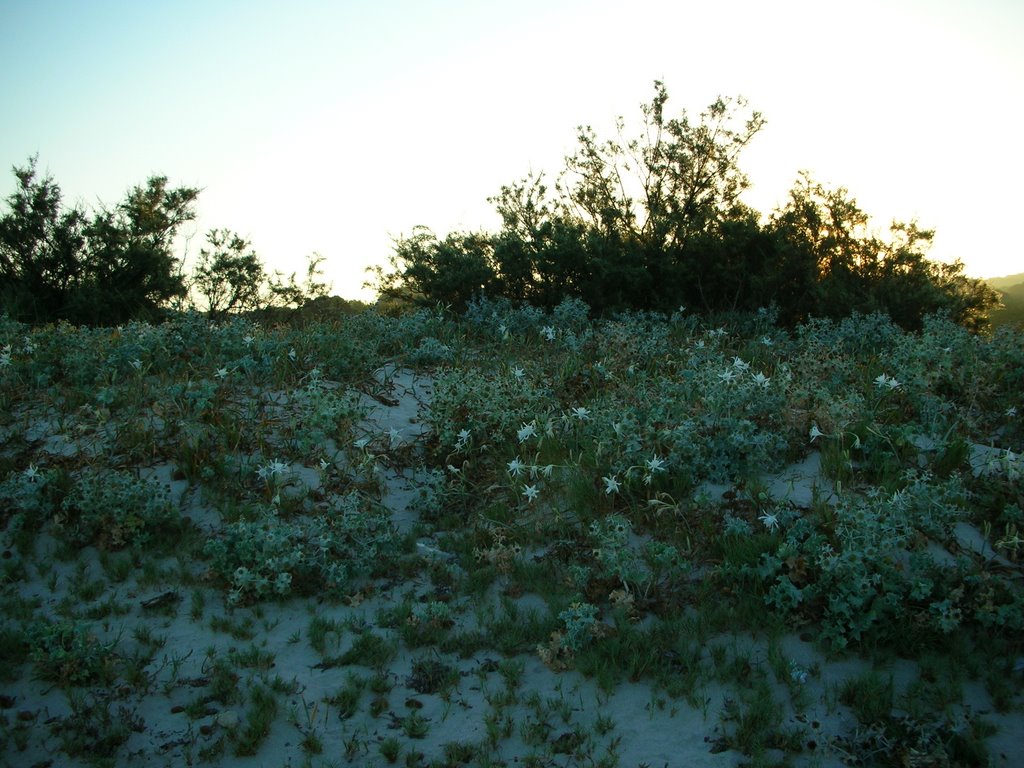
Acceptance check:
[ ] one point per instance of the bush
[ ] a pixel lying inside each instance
(656, 222)
(269, 556)
(113, 508)
(104, 269)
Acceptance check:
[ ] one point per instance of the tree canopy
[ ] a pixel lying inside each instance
(61, 263)
(118, 264)
(655, 221)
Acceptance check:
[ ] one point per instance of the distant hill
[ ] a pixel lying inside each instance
(1011, 293)
(1008, 281)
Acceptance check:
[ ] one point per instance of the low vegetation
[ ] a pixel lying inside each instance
(808, 539)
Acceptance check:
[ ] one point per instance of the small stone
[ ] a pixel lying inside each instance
(227, 719)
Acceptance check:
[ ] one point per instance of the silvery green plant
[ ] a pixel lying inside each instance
(867, 570)
(580, 620)
(323, 413)
(114, 508)
(639, 566)
(268, 556)
(491, 405)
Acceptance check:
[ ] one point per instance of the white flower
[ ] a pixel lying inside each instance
(515, 467)
(548, 332)
(361, 443)
(323, 465)
(527, 431)
(611, 484)
(882, 380)
(292, 354)
(31, 474)
(222, 373)
(272, 469)
(248, 340)
(767, 341)
(771, 522)
(518, 372)
(581, 413)
(394, 437)
(530, 492)
(453, 469)
(463, 438)
(727, 375)
(699, 344)
(1011, 411)
(815, 432)
(739, 364)
(547, 469)
(137, 364)
(761, 380)
(654, 464)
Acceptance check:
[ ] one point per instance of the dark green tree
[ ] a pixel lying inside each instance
(656, 221)
(676, 179)
(58, 264)
(856, 269)
(229, 275)
(42, 248)
(286, 293)
(450, 271)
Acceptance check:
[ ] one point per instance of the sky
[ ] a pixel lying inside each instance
(335, 127)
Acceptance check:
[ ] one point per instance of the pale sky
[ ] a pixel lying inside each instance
(334, 126)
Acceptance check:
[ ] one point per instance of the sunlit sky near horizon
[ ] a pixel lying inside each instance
(334, 126)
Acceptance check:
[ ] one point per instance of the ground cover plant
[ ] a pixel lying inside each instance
(511, 536)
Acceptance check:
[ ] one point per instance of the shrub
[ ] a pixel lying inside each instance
(269, 556)
(114, 508)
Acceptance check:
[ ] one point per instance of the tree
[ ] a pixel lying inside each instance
(60, 264)
(856, 269)
(656, 221)
(450, 271)
(41, 248)
(230, 275)
(286, 293)
(616, 229)
(673, 181)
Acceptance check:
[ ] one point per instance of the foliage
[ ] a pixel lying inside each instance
(69, 653)
(59, 263)
(858, 271)
(112, 509)
(655, 221)
(270, 556)
(228, 275)
(656, 485)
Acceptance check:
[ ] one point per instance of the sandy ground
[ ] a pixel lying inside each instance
(643, 727)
